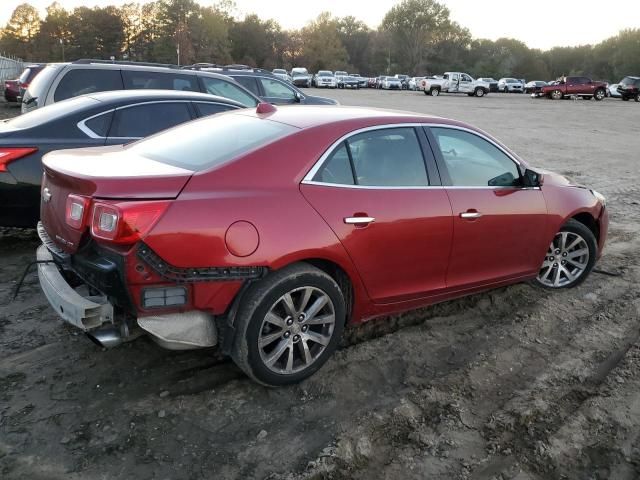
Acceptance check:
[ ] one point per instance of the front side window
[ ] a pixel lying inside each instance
(275, 89)
(380, 158)
(143, 120)
(83, 81)
(472, 161)
(226, 89)
(466, 78)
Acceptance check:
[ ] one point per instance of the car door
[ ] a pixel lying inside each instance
(498, 226)
(454, 82)
(466, 84)
(134, 122)
(373, 190)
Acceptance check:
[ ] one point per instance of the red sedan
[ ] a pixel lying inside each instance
(265, 232)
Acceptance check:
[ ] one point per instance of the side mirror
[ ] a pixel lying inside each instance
(298, 97)
(532, 179)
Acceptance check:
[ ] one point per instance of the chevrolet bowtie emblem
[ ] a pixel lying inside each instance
(46, 195)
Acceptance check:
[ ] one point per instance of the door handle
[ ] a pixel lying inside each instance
(359, 220)
(470, 215)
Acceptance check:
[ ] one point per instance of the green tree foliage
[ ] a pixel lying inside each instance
(18, 36)
(321, 44)
(415, 37)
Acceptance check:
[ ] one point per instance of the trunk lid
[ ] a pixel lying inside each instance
(100, 173)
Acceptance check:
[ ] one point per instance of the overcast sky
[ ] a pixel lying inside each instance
(540, 24)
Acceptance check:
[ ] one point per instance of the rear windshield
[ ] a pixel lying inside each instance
(40, 85)
(211, 141)
(46, 114)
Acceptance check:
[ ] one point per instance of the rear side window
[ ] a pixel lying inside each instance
(205, 109)
(211, 141)
(83, 81)
(134, 80)
(100, 125)
(226, 89)
(143, 120)
(25, 75)
(40, 84)
(381, 158)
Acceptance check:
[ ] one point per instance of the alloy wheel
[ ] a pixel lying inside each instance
(296, 330)
(556, 94)
(566, 260)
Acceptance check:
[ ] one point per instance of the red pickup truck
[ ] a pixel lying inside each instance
(575, 86)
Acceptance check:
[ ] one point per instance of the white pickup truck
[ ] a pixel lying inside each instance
(454, 82)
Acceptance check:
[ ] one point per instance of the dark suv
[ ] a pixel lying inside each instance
(629, 87)
(266, 85)
(60, 81)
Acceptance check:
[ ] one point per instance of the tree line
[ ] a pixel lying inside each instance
(416, 37)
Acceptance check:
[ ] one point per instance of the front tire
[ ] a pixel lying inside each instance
(480, 92)
(289, 324)
(599, 94)
(570, 257)
(556, 95)
(637, 97)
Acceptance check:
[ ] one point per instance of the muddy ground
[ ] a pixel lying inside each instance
(519, 383)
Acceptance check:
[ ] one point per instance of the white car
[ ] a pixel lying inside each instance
(391, 83)
(282, 74)
(414, 82)
(613, 91)
(325, 79)
(510, 85)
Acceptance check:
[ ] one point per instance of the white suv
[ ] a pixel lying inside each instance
(510, 85)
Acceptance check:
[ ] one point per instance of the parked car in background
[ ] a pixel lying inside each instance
(60, 81)
(208, 235)
(612, 90)
(348, 81)
(11, 91)
(454, 82)
(535, 87)
(404, 80)
(510, 85)
(14, 89)
(575, 87)
(282, 74)
(325, 79)
(105, 118)
(339, 74)
(629, 87)
(414, 82)
(363, 82)
(300, 77)
(493, 83)
(379, 81)
(372, 82)
(269, 87)
(391, 83)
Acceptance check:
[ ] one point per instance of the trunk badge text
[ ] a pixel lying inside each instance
(46, 195)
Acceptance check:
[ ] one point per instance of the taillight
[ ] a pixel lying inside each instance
(125, 222)
(76, 211)
(9, 154)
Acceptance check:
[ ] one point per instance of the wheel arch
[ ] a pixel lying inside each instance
(588, 221)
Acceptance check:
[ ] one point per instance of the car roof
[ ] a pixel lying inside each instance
(144, 94)
(310, 116)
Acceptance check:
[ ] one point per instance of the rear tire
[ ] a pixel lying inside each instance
(288, 325)
(556, 95)
(570, 257)
(625, 99)
(637, 97)
(435, 92)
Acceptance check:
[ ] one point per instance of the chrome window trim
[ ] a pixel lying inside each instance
(426, 187)
(308, 178)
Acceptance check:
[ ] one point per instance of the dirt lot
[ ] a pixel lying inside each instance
(518, 383)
